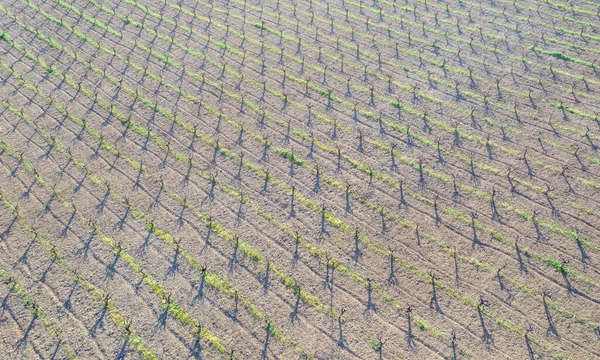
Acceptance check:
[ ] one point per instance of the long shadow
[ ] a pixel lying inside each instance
(55, 352)
(527, 165)
(110, 268)
(238, 175)
(141, 250)
(538, 231)
(22, 343)
(211, 192)
(13, 173)
(114, 163)
(292, 172)
(474, 176)
(8, 228)
(317, 186)
(45, 273)
(233, 314)
(500, 277)
(196, 350)
(581, 164)
(161, 322)
(370, 305)
(342, 343)
(174, 264)
(434, 303)
(100, 321)
(293, 203)
(348, 207)
(456, 273)
(123, 351)
(266, 278)
(392, 279)
(454, 345)
(77, 187)
(323, 230)
(86, 246)
(102, 204)
(403, 202)
(436, 212)
(23, 258)
(138, 285)
(121, 222)
(233, 259)
(487, 337)
(495, 214)
(65, 230)
(379, 347)
(266, 146)
(555, 212)
(410, 338)
(383, 223)
(4, 305)
(294, 314)
(551, 327)
(329, 269)
(47, 154)
(264, 189)
(67, 303)
(422, 180)
(530, 352)
(475, 240)
(200, 294)
(357, 252)
(566, 179)
(296, 256)
(240, 213)
(186, 178)
(418, 234)
(584, 256)
(265, 350)
(27, 192)
(489, 149)
(522, 267)
(570, 289)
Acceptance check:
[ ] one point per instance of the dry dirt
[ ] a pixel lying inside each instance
(299, 179)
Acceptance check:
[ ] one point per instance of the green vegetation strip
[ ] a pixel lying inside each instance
(425, 76)
(417, 28)
(171, 306)
(463, 134)
(546, 224)
(314, 207)
(179, 157)
(216, 228)
(550, 226)
(368, 114)
(96, 294)
(212, 279)
(37, 312)
(464, 219)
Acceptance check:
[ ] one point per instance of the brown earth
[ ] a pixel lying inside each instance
(147, 213)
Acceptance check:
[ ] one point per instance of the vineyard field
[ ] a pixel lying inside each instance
(284, 179)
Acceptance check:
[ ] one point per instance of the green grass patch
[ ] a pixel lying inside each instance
(398, 105)
(557, 265)
(260, 26)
